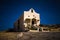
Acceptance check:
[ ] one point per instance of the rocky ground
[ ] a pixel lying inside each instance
(29, 35)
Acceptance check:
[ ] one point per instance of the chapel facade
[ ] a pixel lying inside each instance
(29, 20)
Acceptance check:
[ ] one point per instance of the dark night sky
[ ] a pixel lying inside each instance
(10, 10)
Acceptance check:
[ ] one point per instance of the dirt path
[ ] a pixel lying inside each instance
(30, 36)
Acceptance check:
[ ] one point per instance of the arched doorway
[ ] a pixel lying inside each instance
(33, 21)
(33, 26)
(27, 23)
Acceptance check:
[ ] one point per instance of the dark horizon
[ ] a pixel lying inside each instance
(11, 10)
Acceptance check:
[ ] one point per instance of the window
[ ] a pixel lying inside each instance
(28, 16)
(34, 16)
(37, 20)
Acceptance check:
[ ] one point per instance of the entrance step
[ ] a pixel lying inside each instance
(33, 31)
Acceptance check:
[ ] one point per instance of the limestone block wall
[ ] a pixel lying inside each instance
(19, 24)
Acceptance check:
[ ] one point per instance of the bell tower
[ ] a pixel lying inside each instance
(32, 10)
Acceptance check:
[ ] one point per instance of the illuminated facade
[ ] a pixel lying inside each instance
(28, 20)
